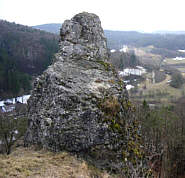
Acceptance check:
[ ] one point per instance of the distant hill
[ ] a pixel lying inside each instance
(170, 32)
(116, 39)
(161, 41)
(24, 51)
(52, 27)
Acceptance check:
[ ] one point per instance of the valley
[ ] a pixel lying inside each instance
(72, 97)
(154, 84)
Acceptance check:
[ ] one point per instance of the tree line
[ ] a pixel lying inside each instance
(163, 135)
(166, 41)
(123, 60)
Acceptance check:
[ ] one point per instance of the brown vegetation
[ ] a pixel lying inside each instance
(31, 163)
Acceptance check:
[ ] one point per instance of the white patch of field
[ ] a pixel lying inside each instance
(133, 71)
(128, 87)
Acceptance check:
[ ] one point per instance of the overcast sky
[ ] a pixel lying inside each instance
(145, 15)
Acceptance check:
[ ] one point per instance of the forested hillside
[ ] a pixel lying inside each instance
(165, 41)
(24, 52)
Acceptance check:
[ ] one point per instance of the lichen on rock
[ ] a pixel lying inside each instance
(79, 103)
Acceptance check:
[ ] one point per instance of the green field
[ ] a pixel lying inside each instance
(161, 92)
(172, 61)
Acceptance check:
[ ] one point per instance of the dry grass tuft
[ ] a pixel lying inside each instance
(25, 162)
(111, 106)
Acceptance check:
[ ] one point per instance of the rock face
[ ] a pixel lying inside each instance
(74, 102)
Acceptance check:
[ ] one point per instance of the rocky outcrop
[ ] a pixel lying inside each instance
(79, 103)
(64, 108)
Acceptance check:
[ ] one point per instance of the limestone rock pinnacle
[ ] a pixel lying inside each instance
(72, 99)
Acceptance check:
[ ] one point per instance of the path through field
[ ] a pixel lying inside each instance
(160, 85)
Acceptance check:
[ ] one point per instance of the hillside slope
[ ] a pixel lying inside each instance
(31, 49)
(24, 51)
